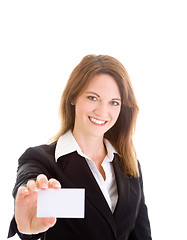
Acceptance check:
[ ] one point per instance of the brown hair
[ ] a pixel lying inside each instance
(120, 135)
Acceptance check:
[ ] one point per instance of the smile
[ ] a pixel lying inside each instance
(97, 121)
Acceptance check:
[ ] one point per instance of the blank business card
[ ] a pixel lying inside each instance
(61, 203)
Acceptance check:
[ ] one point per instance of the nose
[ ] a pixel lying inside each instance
(101, 109)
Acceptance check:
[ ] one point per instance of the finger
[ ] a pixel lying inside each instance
(42, 181)
(31, 185)
(53, 183)
(22, 192)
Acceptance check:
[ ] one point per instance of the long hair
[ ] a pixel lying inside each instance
(120, 135)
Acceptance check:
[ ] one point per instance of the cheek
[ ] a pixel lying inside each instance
(81, 108)
(115, 114)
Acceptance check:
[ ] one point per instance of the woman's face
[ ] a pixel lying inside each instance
(97, 108)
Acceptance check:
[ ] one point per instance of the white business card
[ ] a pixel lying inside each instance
(61, 203)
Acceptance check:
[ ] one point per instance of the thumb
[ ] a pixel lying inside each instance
(51, 221)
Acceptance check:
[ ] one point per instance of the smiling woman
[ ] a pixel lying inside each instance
(120, 135)
(92, 150)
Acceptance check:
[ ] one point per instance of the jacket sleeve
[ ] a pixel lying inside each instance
(28, 168)
(13, 230)
(141, 230)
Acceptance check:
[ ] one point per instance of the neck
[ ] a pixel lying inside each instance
(93, 147)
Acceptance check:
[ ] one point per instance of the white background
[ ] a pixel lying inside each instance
(40, 44)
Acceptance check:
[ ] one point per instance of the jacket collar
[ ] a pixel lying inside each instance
(67, 144)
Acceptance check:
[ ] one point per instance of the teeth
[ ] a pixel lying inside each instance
(97, 121)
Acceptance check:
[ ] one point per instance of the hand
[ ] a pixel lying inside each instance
(26, 205)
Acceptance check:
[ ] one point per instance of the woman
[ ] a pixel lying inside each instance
(93, 150)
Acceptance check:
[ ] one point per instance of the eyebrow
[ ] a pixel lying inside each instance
(93, 93)
(117, 99)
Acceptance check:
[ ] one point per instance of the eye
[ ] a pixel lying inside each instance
(114, 103)
(92, 98)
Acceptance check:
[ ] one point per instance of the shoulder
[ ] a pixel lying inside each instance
(45, 151)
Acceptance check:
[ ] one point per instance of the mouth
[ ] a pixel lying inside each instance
(97, 121)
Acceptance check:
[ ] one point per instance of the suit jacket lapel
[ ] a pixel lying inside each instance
(78, 172)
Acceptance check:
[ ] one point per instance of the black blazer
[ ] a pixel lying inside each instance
(129, 220)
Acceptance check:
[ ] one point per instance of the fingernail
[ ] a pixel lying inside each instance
(44, 185)
(26, 191)
(57, 185)
(35, 189)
